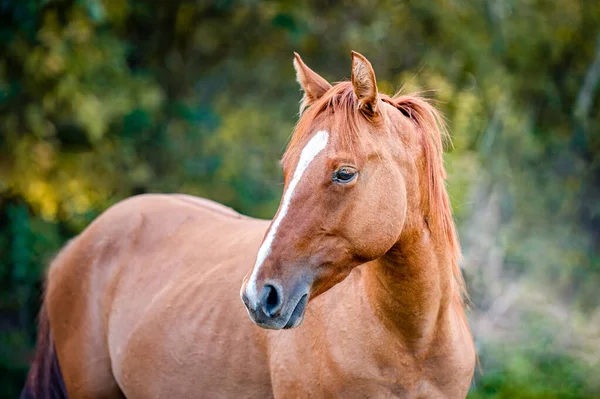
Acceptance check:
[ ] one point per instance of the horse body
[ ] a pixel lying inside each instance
(145, 303)
(153, 286)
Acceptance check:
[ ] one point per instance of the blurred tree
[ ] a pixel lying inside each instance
(103, 99)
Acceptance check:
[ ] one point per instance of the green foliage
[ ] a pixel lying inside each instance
(103, 99)
(537, 368)
(532, 375)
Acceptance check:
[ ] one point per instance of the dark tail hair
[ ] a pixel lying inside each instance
(44, 380)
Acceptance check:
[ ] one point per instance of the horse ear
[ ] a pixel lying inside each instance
(313, 85)
(364, 84)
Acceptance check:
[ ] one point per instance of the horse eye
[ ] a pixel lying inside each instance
(344, 174)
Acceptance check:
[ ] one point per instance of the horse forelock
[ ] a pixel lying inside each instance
(341, 102)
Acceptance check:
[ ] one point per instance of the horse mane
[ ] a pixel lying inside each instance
(341, 101)
(430, 124)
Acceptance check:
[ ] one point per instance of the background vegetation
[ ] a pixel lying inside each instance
(103, 99)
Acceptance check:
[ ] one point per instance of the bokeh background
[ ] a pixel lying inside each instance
(104, 99)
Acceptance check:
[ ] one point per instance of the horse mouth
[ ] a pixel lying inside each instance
(297, 314)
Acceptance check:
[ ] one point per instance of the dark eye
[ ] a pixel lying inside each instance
(344, 174)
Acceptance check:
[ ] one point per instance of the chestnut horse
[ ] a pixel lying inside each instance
(145, 302)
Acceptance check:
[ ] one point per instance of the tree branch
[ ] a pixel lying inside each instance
(590, 85)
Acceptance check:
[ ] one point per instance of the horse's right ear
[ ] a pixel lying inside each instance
(313, 85)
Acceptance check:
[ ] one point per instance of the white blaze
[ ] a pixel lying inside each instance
(316, 144)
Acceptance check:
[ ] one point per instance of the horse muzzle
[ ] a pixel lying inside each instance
(272, 308)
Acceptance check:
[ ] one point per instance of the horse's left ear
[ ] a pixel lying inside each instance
(313, 85)
(364, 83)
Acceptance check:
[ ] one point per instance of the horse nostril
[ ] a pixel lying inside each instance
(271, 300)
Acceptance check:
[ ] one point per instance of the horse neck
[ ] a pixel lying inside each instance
(411, 287)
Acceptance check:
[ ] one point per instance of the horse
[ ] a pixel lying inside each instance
(353, 290)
